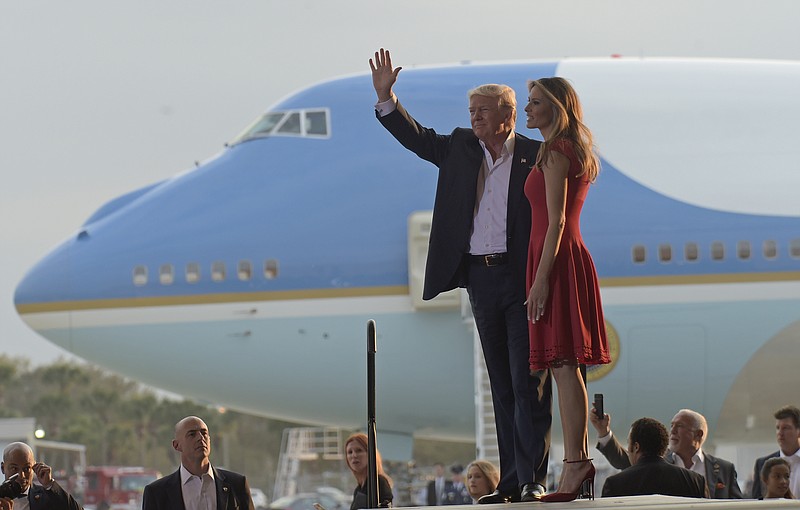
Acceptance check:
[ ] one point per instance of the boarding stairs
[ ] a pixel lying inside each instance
(300, 444)
(485, 430)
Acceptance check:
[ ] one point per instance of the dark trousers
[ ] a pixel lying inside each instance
(522, 402)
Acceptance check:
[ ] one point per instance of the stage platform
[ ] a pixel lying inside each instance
(642, 503)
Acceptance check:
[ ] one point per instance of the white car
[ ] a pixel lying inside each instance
(259, 499)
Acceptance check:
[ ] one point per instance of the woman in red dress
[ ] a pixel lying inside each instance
(564, 309)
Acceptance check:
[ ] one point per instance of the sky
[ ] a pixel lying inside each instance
(101, 97)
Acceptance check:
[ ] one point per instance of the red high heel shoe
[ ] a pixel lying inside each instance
(585, 488)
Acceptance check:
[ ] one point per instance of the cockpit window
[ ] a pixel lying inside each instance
(310, 123)
(265, 124)
(290, 124)
(317, 123)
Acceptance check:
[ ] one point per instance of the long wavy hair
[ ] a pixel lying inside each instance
(362, 440)
(489, 470)
(568, 124)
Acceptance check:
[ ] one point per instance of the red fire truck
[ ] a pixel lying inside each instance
(116, 487)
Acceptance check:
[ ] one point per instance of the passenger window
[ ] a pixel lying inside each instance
(794, 248)
(270, 269)
(717, 250)
(245, 270)
(665, 252)
(140, 276)
(218, 271)
(743, 250)
(691, 252)
(639, 254)
(192, 272)
(291, 124)
(770, 249)
(166, 274)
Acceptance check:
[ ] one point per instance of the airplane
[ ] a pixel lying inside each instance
(248, 280)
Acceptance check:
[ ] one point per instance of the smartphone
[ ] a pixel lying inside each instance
(598, 405)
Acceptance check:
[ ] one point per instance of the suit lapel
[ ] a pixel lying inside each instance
(712, 473)
(35, 495)
(174, 491)
(223, 489)
(473, 164)
(520, 167)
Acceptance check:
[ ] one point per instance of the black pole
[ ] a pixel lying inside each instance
(372, 454)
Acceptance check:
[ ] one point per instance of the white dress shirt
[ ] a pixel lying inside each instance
(794, 472)
(199, 493)
(698, 462)
(22, 503)
(489, 225)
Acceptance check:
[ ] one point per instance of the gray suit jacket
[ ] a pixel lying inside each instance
(720, 474)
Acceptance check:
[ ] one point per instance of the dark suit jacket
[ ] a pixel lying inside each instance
(54, 499)
(233, 492)
(432, 491)
(720, 474)
(654, 475)
(459, 157)
(758, 485)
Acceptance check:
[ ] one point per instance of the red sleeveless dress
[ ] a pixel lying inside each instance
(573, 327)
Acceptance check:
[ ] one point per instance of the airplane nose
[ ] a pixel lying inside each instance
(43, 295)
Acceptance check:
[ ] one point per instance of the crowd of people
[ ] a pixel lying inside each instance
(655, 461)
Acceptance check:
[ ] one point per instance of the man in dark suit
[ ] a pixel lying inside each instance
(436, 487)
(197, 484)
(787, 430)
(649, 473)
(48, 495)
(688, 432)
(479, 240)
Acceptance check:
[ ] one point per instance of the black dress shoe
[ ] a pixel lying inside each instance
(498, 497)
(532, 492)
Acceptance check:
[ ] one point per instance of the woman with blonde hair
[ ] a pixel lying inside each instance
(566, 325)
(482, 478)
(356, 448)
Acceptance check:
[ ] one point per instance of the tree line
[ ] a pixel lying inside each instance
(123, 423)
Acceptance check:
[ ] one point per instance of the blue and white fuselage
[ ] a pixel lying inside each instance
(248, 281)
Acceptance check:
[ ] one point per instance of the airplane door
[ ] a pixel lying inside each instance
(419, 233)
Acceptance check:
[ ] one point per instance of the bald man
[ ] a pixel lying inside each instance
(197, 485)
(48, 495)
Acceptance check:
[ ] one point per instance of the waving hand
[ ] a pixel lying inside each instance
(383, 75)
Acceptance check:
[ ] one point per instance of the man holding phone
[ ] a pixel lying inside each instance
(688, 431)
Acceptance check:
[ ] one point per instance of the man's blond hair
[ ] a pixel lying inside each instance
(505, 95)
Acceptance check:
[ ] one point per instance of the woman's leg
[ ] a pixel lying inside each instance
(572, 403)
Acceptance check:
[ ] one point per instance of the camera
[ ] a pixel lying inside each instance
(11, 488)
